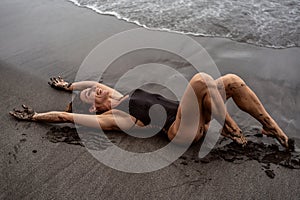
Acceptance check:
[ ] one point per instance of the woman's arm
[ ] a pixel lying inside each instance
(111, 120)
(88, 84)
(60, 83)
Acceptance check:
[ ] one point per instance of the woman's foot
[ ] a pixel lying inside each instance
(277, 133)
(237, 137)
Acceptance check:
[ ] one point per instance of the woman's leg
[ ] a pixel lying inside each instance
(200, 102)
(247, 101)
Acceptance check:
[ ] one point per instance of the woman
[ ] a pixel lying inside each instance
(211, 94)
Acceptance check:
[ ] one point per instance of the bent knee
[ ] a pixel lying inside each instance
(201, 79)
(233, 78)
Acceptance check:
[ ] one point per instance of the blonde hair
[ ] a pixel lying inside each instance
(78, 106)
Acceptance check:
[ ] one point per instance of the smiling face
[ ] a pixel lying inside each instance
(96, 97)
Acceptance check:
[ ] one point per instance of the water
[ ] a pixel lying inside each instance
(269, 23)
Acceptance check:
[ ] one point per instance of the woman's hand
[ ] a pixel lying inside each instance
(60, 83)
(25, 114)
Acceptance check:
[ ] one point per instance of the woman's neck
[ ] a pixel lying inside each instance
(115, 96)
(115, 102)
(111, 103)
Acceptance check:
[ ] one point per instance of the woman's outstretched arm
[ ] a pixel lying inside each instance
(111, 120)
(60, 83)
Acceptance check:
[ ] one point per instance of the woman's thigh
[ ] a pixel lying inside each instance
(193, 114)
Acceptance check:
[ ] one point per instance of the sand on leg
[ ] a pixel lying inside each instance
(247, 101)
(208, 104)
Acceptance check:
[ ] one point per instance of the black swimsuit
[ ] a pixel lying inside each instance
(141, 102)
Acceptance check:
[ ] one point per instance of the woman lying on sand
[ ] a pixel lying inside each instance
(109, 105)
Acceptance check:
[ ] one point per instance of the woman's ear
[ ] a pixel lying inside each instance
(92, 109)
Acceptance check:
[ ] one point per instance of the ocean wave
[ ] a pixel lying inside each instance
(274, 23)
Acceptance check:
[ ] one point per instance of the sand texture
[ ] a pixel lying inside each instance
(43, 38)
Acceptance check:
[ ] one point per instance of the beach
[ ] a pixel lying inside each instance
(40, 39)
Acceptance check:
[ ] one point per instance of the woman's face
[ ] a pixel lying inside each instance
(94, 95)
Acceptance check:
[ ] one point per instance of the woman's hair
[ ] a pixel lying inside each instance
(77, 106)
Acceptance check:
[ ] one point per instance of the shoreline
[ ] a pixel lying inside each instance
(41, 38)
(192, 34)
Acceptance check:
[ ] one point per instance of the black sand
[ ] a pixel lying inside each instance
(40, 38)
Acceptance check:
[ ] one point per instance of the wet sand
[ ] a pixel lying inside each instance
(40, 38)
